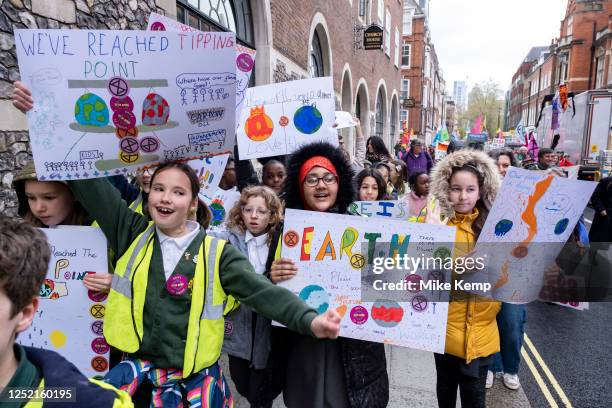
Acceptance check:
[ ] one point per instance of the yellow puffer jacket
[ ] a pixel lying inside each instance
(471, 330)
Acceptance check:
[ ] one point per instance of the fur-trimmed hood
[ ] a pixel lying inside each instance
(341, 162)
(441, 174)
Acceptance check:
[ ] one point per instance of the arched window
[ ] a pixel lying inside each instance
(316, 57)
(218, 15)
(380, 114)
(394, 120)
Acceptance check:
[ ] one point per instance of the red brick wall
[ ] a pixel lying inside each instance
(415, 73)
(588, 17)
(292, 20)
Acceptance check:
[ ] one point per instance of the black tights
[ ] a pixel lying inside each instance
(449, 376)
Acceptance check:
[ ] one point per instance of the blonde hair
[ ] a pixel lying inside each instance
(274, 204)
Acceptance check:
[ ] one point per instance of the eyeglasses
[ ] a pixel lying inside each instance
(313, 181)
(259, 211)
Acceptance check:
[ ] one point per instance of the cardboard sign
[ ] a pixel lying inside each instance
(107, 102)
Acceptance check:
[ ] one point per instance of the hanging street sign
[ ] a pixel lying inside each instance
(373, 37)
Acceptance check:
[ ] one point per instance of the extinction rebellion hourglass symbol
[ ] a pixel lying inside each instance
(137, 143)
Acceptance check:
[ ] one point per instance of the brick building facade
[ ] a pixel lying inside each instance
(294, 39)
(519, 88)
(367, 82)
(423, 86)
(580, 58)
(577, 51)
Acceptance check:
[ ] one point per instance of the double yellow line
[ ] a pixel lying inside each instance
(538, 377)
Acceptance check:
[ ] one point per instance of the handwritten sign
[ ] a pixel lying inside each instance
(70, 318)
(532, 217)
(336, 256)
(277, 119)
(396, 209)
(344, 120)
(111, 101)
(220, 204)
(209, 171)
(245, 57)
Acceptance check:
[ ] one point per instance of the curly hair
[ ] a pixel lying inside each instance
(274, 204)
(24, 258)
(341, 162)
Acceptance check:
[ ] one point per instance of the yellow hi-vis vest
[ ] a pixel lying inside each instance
(136, 205)
(124, 324)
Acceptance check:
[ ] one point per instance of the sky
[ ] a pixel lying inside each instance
(482, 39)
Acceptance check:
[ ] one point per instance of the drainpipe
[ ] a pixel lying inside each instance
(592, 53)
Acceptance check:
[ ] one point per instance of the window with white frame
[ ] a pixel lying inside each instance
(403, 117)
(407, 18)
(380, 11)
(364, 7)
(563, 67)
(388, 32)
(406, 55)
(570, 25)
(397, 48)
(405, 90)
(599, 69)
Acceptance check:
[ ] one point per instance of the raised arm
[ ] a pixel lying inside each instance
(103, 202)
(360, 144)
(274, 302)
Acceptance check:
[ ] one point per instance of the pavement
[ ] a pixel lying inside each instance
(412, 381)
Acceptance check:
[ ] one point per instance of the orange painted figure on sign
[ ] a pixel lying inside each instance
(258, 126)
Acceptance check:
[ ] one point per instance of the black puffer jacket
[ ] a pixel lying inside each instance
(365, 367)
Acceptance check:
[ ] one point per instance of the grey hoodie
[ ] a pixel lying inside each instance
(241, 340)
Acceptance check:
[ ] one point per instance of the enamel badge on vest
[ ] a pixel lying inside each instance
(177, 284)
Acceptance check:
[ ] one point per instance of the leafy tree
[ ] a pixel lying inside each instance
(484, 99)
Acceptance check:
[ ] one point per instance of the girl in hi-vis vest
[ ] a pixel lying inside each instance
(171, 285)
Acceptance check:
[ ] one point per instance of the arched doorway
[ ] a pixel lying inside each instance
(362, 107)
(380, 112)
(394, 129)
(347, 106)
(319, 50)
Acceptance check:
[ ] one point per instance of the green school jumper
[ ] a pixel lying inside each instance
(166, 316)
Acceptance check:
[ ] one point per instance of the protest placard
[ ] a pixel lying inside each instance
(344, 120)
(531, 219)
(220, 204)
(111, 101)
(339, 267)
(277, 119)
(70, 318)
(209, 171)
(245, 57)
(396, 209)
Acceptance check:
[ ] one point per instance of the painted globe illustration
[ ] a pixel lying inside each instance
(155, 110)
(503, 227)
(315, 297)
(308, 119)
(91, 110)
(218, 214)
(561, 226)
(258, 127)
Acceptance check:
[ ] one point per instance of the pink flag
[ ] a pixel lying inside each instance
(477, 128)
